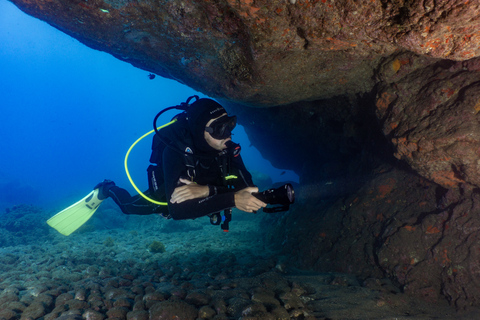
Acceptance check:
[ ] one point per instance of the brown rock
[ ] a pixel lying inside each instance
(254, 310)
(16, 306)
(123, 302)
(69, 316)
(62, 299)
(138, 315)
(8, 314)
(220, 306)
(117, 312)
(93, 315)
(197, 298)
(266, 299)
(138, 290)
(291, 301)
(206, 312)
(75, 304)
(156, 296)
(81, 294)
(96, 302)
(167, 310)
(280, 313)
(34, 311)
(237, 305)
(8, 297)
(179, 293)
(115, 293)
(52, 316)
(139, 305)
(45, 299)
(153, 297)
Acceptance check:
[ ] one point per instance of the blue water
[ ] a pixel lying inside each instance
(69, 114)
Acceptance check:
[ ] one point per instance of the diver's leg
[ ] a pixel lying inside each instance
(127, 203)
(103, 188)
(132, 205)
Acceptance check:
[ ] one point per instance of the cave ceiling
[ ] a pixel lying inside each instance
(268, 53)
(416, 59)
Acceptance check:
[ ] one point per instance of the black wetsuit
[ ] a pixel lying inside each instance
(207, 172)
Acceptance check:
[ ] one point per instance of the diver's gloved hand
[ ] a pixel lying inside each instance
(104, 187)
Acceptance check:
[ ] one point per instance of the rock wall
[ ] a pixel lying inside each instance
(430, 115)
(398, 226)
(376, 107)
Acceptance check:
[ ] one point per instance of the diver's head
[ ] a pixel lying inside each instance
(219, 130)
(210, 125)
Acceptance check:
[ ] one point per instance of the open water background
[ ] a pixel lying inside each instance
(69, 114)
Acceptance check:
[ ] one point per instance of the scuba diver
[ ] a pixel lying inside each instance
(196, 170)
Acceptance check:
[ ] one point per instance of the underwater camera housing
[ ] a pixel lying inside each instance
(283, 196)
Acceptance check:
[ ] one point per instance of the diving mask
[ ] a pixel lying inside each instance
(222, 127)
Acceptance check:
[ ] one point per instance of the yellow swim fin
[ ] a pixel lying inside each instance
(73, 217)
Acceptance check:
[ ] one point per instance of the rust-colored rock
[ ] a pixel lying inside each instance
(430, 114)
(267, 52)
(398, 225)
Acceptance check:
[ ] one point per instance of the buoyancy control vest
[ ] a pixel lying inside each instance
(176, 136)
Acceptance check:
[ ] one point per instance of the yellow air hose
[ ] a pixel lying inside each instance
(126, 165)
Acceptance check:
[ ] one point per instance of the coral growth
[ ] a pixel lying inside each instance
(109, 242)
(156, 247)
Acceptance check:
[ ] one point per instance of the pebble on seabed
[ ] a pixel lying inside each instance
(216, 276)
(182, 282)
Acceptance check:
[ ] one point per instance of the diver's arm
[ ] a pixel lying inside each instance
(214, 201)
(244, 200)
(174, 168)
(195, 208)
(199, 207)
(190, 190)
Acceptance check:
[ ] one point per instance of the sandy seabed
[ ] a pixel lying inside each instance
(204, 273)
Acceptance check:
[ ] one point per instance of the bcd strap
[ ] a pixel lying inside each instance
(190, 163)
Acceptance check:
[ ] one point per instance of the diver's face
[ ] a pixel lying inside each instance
(215, 143)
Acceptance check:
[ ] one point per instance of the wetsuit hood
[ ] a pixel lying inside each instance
(198, 115)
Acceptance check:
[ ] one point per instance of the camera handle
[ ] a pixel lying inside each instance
(227, 217)
(276, 209)
(217, 219)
